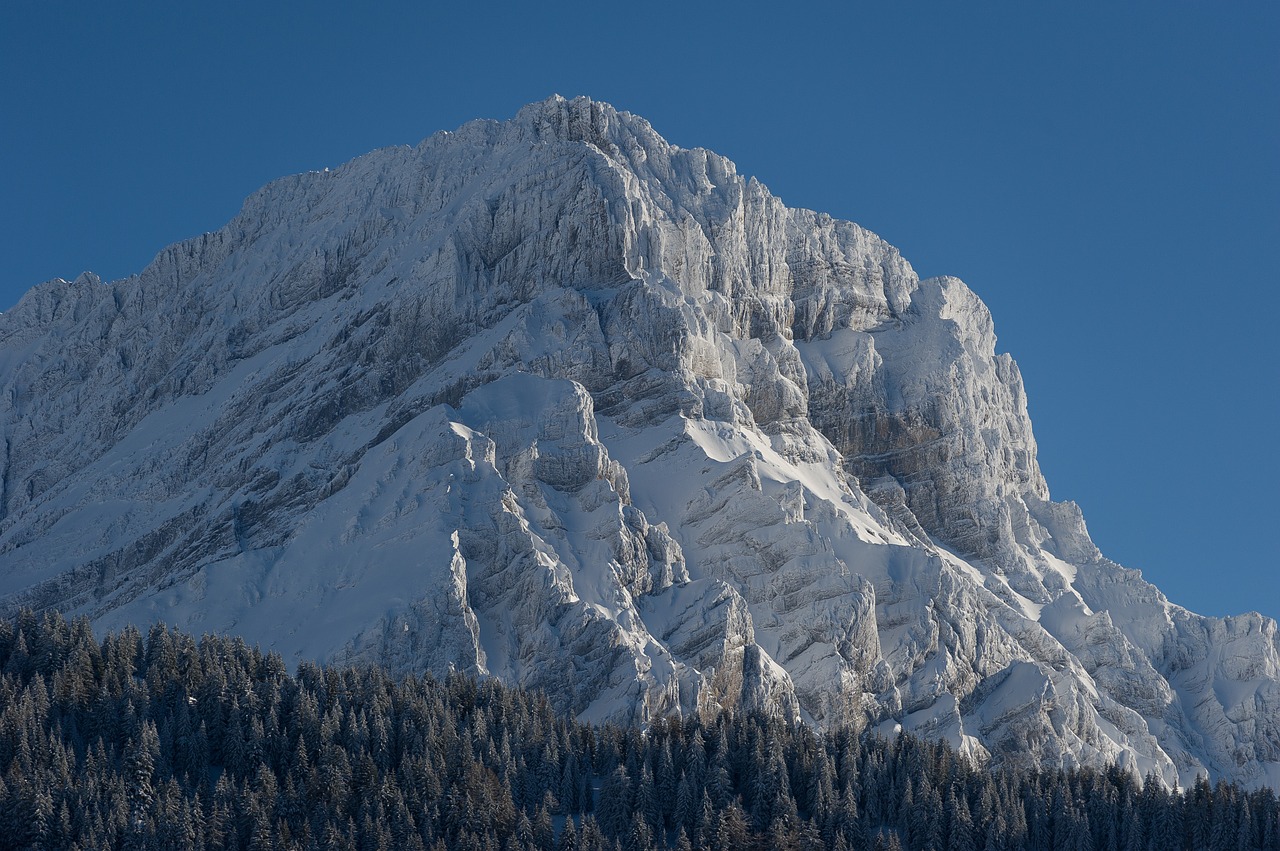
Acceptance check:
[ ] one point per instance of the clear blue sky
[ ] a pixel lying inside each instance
(1105, 175)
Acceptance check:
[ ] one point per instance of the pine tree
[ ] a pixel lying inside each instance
(141, 754)
(613, 810)
(639, 837)
(568, 836)
(732, 829)
(687, 804)
(543, 833)
(646, 802)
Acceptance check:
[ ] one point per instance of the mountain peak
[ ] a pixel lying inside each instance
(578, 119)
(555, 401)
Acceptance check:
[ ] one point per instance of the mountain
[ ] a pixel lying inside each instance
(556, 401)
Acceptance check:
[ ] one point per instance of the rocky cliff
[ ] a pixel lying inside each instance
(556, 401)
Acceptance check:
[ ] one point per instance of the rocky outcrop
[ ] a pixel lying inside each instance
(555, 401)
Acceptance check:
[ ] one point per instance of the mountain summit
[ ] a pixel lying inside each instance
(556, 401)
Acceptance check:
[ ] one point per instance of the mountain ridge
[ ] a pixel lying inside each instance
(756, 461)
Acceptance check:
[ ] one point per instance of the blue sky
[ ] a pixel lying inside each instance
(1105, 175)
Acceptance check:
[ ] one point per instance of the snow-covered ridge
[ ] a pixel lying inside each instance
(554, 400)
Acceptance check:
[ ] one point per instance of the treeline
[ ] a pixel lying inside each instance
(171, 743)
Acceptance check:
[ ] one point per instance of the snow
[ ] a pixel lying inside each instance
(555, 401)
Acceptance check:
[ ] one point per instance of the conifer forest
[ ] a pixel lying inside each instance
(169, 742)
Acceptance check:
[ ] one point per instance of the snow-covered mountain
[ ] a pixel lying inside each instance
(554, 400)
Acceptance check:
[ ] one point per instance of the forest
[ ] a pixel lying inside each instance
(169, 742)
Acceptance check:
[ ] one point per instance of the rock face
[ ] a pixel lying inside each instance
(556, 401)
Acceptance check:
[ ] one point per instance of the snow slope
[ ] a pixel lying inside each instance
(556, 401)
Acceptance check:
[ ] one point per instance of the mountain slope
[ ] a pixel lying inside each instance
(554, 400)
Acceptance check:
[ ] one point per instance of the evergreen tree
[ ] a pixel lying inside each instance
(543, 833)
(568, 836)
(613, 810)
(639, 837)
(216, 746)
